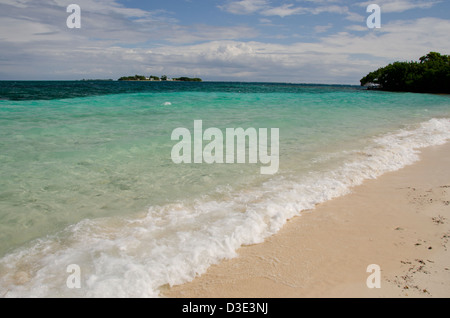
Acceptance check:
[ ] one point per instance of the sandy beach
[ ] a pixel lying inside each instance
(400, 222)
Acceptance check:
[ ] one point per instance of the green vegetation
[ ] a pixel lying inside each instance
(188, 79)
(133, 78)
(430, 75)
(156, 78)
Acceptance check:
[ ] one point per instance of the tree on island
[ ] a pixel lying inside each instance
(188, 79)
(133, 78)
(156, 78)
(430, 75)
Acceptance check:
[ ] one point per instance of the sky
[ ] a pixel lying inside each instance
(292, 41)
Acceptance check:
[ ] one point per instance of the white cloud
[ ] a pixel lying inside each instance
(106, 7)
(16, 3)
(36, 42)
(200, 33)
(389, 6)
(355, 17)
(356, 27)
(283, 11)
(266, 8)
(265, 21)
(23, 31)
(329, 9)
(39, 20)
(342, 57)
(322, 28)
(244, 6)
(103, 22)
(337, 58)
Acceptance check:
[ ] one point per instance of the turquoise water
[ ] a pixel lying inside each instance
(86, 175)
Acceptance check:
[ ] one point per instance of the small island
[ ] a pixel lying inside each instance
(431, 74)
(163, 78)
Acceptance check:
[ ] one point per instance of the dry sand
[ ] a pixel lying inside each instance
(400, 221)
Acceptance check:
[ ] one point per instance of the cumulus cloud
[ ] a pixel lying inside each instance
(36, 44)
(339, 58)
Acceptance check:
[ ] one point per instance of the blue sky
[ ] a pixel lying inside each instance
(296, 41)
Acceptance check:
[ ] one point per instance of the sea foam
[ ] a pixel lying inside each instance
(174, 243)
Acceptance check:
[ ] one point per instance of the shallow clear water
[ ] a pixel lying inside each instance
(86, 175)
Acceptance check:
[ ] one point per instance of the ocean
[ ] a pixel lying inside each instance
(87, 176)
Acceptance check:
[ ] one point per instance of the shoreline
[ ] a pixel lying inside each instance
(399, 221)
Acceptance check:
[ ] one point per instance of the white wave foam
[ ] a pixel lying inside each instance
(174, 243)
